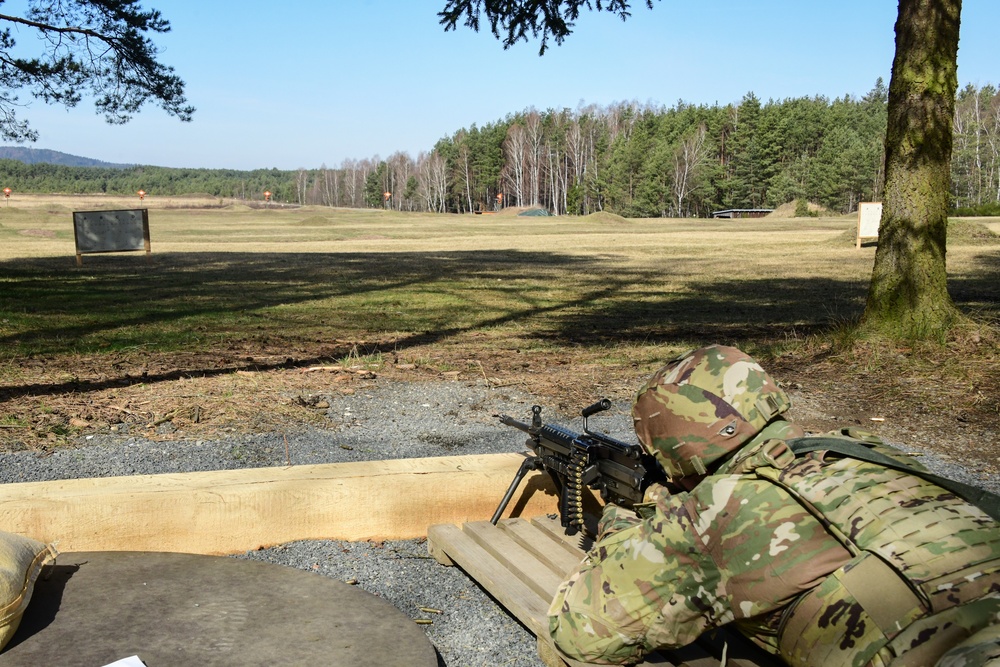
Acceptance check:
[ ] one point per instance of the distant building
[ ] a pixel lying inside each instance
(742, 213)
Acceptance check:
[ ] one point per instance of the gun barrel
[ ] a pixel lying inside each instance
(510, 421)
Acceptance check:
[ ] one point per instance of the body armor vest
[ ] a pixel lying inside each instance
(925, 572)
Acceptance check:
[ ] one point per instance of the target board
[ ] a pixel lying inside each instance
(110, 231)
(869, 216)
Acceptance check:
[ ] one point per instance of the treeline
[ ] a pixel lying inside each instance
(975, 165)
(164, 181)
(631, 159)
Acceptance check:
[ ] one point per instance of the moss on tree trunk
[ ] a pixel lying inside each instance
(908, 297)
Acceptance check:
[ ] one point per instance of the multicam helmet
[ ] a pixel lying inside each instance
(703, 405)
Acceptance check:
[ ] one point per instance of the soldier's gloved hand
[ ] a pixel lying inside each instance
(613, 519)
(654, 493)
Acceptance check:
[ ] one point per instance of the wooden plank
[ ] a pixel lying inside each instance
(549, 524)
(230, 511)
(556, 554)
(514, 558)
(520, 599)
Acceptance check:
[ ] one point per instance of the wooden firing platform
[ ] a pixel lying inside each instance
(521, 564)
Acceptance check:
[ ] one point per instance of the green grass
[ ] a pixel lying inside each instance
(229, 280)
(235, 303)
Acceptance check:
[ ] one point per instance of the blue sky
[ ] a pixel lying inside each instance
(309, 82)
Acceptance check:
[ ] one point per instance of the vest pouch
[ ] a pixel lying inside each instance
(924, 642)
(850, 617)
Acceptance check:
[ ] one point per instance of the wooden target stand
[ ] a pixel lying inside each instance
(869, 218)
(111, 231)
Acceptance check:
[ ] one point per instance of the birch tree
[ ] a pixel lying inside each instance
(689, 157)
(514, 151)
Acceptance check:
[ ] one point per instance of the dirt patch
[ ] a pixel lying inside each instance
(943, 402)
(788, 210)
(42, 233)
(510, 211)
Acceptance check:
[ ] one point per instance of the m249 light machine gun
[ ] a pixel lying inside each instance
(619, 471)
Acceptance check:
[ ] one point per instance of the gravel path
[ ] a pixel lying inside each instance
(381, 420)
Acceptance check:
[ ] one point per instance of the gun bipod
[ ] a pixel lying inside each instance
(528, 464)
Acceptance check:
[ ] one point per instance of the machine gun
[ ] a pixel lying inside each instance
(618, 470)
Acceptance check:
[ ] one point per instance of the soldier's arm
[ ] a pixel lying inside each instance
(640, 588)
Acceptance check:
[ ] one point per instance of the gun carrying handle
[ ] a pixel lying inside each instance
(530, 463)
(600, 406)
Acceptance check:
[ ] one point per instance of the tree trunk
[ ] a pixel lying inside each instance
(908, 297)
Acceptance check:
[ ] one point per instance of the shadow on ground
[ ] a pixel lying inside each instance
(208, 301)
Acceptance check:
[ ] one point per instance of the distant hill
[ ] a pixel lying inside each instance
(46, 156)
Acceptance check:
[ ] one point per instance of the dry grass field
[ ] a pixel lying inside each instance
(223, 328)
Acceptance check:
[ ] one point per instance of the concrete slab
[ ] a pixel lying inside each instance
(183, 609)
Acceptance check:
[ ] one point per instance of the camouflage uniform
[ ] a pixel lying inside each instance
(821, 559)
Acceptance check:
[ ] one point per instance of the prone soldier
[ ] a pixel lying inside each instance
(833, 551)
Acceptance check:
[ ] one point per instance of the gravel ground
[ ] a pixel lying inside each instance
(381, 420)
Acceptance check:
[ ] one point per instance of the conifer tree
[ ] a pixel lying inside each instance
(99, 48)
